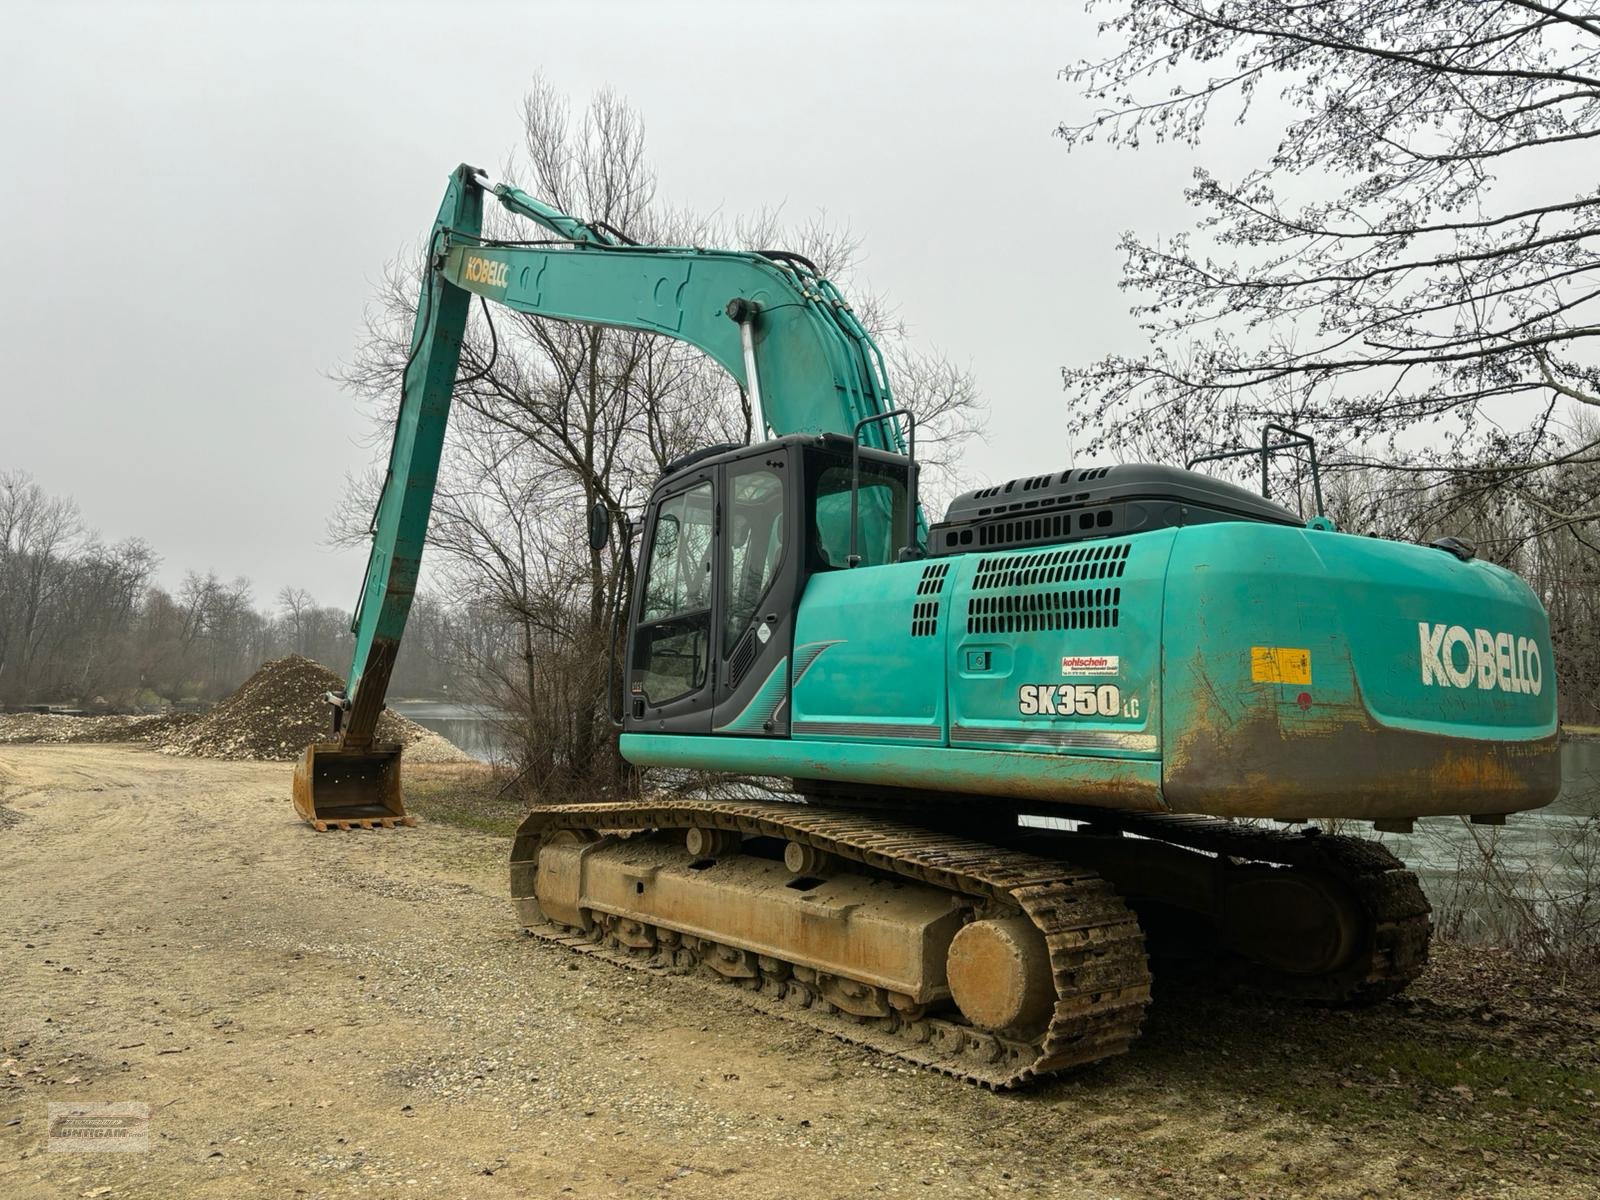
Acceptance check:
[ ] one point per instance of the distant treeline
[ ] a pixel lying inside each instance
(82, 622)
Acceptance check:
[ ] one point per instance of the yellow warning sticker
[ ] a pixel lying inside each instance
(1280, 664)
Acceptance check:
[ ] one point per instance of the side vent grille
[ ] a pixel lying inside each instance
(1065, 500)
(743, 655)
(1103, 560)
(925, 612)
(1045, 528)
(1031, 612)
(933, 577)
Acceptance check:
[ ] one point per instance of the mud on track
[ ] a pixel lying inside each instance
(356, 1015)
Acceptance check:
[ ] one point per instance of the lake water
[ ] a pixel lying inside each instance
(1531, 846)
(1528, 842)
(472, 729)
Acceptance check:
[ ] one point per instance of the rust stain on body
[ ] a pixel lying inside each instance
(1337, 761)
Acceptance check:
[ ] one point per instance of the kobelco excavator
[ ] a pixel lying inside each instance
(1142, 651)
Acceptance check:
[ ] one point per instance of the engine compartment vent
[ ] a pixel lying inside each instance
(1054, 528)
(1103, 560)
(925, 611)
(1033, 612)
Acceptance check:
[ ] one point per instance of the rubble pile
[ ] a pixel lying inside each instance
(55, 729)
(280, 710)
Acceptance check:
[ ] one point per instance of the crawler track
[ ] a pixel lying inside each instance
(1097, 956)
(1395, 948)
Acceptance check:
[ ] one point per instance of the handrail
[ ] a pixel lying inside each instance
(1296, 437)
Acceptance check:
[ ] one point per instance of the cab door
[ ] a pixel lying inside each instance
(758, 578)
(671, 661)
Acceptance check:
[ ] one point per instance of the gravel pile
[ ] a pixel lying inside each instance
(19, 728)
(280, 710)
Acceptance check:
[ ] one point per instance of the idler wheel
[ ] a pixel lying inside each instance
(1296, 921)
(999, 975)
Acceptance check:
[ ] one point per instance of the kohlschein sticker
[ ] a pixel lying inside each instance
(1091, 664)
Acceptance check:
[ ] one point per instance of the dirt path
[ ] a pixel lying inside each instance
(356, 1015)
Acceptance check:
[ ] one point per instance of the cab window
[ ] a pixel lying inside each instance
(672, 648)
(880, 520)
(755, 544)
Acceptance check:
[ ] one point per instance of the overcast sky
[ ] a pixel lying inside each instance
(199, 198)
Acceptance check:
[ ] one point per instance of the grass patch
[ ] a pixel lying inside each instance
(1485, 1065)
(466, 795)
(1398, 1078)
(1498, 1081)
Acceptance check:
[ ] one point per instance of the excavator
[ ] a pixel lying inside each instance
(1087, 705)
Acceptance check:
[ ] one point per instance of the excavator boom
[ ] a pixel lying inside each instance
(782, 331)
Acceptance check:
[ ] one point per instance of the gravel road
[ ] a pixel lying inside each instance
(357, 1015)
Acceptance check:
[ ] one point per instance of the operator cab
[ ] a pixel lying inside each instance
(731, 536)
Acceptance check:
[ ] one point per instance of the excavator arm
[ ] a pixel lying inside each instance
(782, 331)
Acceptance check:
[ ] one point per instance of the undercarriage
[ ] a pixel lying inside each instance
(998, 961)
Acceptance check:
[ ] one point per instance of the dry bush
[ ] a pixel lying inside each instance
(1543, 908)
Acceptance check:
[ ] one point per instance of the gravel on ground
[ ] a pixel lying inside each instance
(357, 1015)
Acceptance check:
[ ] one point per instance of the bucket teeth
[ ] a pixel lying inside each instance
(326, 823)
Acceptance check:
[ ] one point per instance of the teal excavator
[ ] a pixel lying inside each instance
(1018, 736)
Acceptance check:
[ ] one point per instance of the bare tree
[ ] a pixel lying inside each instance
(90, 650)
(36, 532)
(296, 606)
(1376, 276)
(83, 622)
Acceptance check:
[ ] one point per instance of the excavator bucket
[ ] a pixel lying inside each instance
(339, 788)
